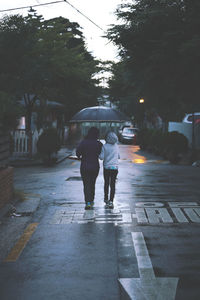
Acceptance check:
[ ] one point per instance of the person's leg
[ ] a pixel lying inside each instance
(113, 176)
(86, 186)
(106, 175)
(93, 177)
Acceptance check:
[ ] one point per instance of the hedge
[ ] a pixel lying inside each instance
(170, 145)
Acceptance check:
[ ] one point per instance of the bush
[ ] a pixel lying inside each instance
(167, 144)
(48, 144)
(177, 144)
(142, 138)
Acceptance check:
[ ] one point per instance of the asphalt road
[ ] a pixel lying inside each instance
(147, 247)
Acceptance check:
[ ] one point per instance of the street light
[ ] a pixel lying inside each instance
(142, 112)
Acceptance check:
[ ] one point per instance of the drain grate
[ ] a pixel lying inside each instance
(74, 178)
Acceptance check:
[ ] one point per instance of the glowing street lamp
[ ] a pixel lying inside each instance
(141, 100)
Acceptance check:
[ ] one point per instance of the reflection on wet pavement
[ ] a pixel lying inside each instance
(136, 158)
(132, 154)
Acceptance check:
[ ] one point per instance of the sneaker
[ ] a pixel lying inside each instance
(88, 205)
(110, 204)
(106, 200)
(106, 205)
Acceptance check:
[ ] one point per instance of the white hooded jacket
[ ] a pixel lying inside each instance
(110, 152)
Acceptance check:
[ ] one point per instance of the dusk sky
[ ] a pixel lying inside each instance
(100, 12)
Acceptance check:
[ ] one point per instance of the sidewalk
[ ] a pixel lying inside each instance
(62, 154)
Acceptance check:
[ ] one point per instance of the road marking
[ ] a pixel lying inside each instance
(97, 215)
(149, 204)
(193, 214)
(145, 213)
(126, 216)
(89, 214)
(20, 245)
(177, 212)
(140, 215)
(148, 286)
(155, 215)
(183, 204)
(179, 215)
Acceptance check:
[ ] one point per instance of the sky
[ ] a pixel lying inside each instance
(101, 12)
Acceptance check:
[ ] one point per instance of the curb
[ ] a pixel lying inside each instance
(5, 209)
(21, 164)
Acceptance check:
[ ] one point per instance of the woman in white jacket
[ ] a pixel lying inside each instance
(110, 155)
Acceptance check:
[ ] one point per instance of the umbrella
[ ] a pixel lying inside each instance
(99, 114)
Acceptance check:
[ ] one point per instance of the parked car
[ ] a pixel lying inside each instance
(121, 129)
(128, 135)
(188, 118)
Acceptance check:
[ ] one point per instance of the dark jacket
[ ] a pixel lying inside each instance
(89, 150)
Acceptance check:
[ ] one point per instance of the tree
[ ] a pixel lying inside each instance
(159, 45)
(46, 60)
(71, 67)
(9, 112)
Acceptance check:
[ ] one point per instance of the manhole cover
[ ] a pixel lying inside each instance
(74, 178)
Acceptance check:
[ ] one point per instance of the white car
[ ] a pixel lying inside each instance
(128, 134)
(188, 118)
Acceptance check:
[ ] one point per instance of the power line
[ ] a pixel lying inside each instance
(83, 14)
(23, 7)
(54, 2)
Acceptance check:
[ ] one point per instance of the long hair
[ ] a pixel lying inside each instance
(93, 133)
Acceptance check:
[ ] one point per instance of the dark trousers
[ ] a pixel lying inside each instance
(109, 181)
(89, 180)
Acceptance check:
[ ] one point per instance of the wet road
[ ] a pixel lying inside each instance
(147, 247)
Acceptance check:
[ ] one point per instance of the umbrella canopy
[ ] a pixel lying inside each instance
(99, 114)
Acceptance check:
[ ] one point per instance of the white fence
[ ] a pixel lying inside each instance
(186, 129)
(21, 142)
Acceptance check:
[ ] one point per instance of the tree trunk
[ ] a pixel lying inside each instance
(29, 104)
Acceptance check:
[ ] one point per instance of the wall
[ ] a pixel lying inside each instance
(186, 129)
(6, 173)
(6, 185)
(4, 148)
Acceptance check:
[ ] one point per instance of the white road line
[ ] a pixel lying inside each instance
(126, 217)
(147, 287)
(144, 263)
(179, 215)
(89, 214)
(193, 214)
(183, 204)
(140, 215)
(156, 214)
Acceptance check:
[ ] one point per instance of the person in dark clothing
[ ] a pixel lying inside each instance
(89, 150)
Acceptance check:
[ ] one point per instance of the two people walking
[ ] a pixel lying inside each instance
(90, 150)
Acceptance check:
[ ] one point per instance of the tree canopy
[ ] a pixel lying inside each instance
(159, 45)
(46, 59)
